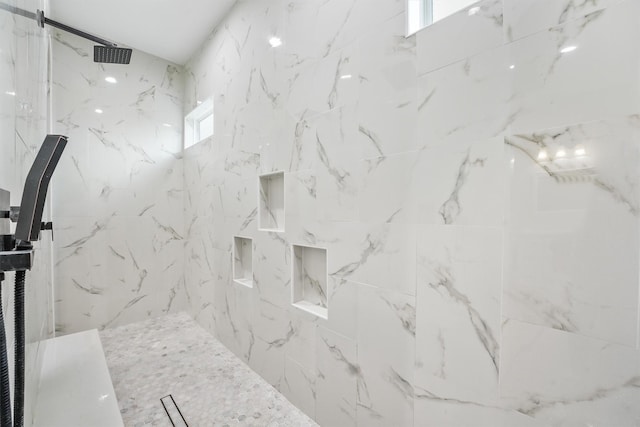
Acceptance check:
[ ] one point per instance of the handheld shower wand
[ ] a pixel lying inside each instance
(18, 257)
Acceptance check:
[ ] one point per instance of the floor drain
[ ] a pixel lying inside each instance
(173, 412)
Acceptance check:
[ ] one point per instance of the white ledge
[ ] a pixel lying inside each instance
(75, 386)
(314, 309)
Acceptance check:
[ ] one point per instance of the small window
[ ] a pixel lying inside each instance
(421, 13)
(418, 15)
(198, 125)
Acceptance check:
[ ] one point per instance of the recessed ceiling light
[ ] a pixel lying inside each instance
(346, 76)
(511, 67)
(10, 93)
(99, 111)
(542, 154)
(580, 151)
(110, 79)
(561, 153)
(275, 41)
(568, 49)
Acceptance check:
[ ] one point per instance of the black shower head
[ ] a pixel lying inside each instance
(108, 53)
(111, 54)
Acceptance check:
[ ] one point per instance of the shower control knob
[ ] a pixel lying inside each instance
(14, 213)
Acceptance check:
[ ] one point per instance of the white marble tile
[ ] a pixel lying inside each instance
(566, 215)
(458, 315)
(465, 101)
(337, 382)
(300, 44)
(525, 17)
(387, 63)
(272, 331)
(386, 357)
(387, 193)
(387, 127)
(378, 255)
(299, 386)
(123, 216)
(343, 296)
(336, 25)
(562, 378)
(320, 88)
(387, 109)
(439, 185)
(461, 184)
(434, 411)
(302, 191)
(337, 176)
(240, 314)
(301, 143)
(460, 36)
(594, 81)
(140, 273)
(301, 348)
(272, 269)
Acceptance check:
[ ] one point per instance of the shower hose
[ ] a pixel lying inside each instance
(18, 386)
(18, 392)
(5, 405)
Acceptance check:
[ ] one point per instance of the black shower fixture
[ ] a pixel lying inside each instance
(35, 188)
(16, 254)
(108, 52)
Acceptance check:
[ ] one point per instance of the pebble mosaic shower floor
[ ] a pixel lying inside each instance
(174, 355)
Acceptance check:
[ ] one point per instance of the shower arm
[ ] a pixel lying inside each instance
(42, 20)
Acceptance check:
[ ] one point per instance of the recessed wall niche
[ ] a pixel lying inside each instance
(243, 261)
(309, 280)
(271, 202)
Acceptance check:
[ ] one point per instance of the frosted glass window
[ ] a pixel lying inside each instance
(198, 125)
(421, 13)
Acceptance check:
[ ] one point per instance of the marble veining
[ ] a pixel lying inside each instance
(478, 200)
(118, 211)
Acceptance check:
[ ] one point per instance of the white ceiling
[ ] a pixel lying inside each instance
(170, 29)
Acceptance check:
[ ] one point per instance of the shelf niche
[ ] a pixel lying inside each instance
(243, 261)
(271, 202)
(309, 279)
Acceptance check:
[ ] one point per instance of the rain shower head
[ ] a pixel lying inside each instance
(111, 54)
(108, 53)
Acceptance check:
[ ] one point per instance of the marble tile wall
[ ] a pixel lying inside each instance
(118, 206)
(24, 122)
(476, 190)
